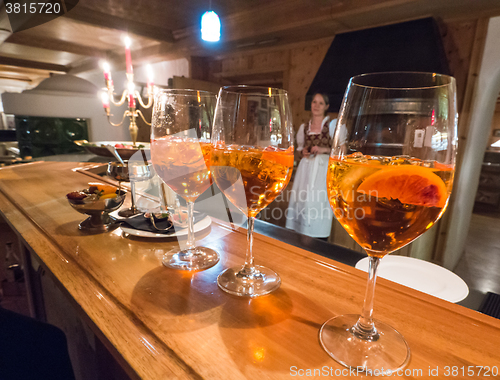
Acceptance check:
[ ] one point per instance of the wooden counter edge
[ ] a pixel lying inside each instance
(86, 297)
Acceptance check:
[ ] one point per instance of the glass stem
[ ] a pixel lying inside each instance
(190, 238)
(132, 195)
(364, 327)
(249, 267)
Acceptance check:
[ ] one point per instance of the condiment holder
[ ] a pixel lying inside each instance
(98, 211)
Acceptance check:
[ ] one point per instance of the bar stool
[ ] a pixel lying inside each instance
(32, 350)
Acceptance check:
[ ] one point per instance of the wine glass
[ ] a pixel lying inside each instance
(120, 172)
(180, 153)
(389, 179)
(252, 161)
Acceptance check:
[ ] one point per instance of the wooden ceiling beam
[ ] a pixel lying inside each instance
(157, 53)
(22, 71)
(17, 78)
(286, 21)
(279, 22)
(85, 66)
(33, 64)
(104, 20)
(56, 45)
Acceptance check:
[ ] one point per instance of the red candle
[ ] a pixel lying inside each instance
(128, 56)
(105, 99)
(107, 75)
(131, 99)
(107, 71)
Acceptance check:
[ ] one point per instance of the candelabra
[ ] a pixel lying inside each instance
(108, 95)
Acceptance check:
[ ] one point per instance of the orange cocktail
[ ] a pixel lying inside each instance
(252, 162)
(385, 203)
(251, 178)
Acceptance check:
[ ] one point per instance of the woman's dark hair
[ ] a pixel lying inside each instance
(324, 96)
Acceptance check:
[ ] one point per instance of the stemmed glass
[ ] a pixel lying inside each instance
(180, 153)
(120, 172)
(389, 179)
(252, 161)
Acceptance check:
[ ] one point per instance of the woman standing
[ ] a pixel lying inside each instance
(309, 211)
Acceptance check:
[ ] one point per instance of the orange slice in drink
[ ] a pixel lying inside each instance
(442, 167)
(415, 185)
(279, 156)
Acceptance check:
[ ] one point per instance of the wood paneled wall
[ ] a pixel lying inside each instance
(458, 42)
(292, 67)
(304, 64)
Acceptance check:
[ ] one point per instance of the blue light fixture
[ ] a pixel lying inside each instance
(210, 27)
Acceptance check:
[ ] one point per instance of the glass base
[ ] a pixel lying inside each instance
(253, 282)
(197, 258)
(384, 354)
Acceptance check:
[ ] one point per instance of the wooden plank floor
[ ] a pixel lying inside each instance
(479, 266)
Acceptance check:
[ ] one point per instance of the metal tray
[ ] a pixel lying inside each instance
(99, 148)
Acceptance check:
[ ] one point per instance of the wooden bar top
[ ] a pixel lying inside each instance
(168, 324)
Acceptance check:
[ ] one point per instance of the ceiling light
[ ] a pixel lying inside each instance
(210, 27)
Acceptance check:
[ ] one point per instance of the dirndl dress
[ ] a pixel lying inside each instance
(309, 211)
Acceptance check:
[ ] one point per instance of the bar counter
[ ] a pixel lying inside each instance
(160, 323)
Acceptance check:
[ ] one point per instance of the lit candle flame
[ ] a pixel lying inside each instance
(106, 67)
(149, 71)
(131, 87)
(127, 41)
(107, 73)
